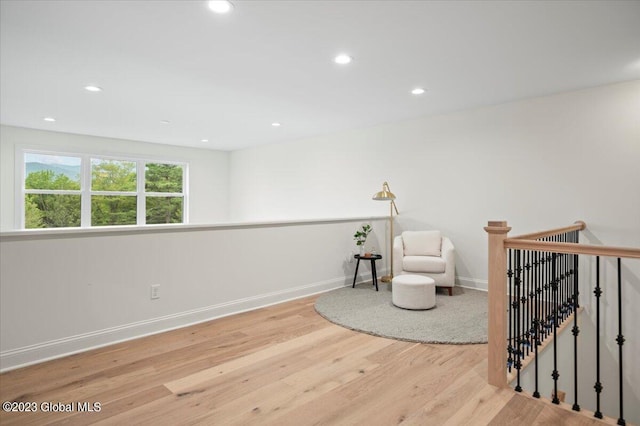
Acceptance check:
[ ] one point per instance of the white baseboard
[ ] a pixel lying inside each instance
(473, 283)
(33, 354)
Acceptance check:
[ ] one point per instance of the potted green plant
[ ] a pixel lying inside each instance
(361, 236)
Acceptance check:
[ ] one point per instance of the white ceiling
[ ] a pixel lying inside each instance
(226, 78)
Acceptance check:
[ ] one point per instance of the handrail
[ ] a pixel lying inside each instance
(578, 226)
(572, 248)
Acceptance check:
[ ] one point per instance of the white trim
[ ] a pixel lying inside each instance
(473, 283)
(141, 204)
(85, 186)
(33, 354)
(185, 193)
(176, 227)
(18, 189)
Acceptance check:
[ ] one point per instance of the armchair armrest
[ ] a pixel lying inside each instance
(448, 253)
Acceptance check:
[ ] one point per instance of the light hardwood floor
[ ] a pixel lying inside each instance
(281, 365)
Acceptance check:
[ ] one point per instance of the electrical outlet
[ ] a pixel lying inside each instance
(155, 291)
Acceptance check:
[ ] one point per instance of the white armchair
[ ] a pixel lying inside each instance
(425, 253)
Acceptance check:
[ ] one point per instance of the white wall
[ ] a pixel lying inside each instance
(208, 170)
(538, 163)
(72, 291)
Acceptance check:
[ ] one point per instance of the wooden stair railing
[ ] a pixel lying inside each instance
(500, 247)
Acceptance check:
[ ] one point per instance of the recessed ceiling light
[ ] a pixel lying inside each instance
(93, 88)
(50, 119)
(220, 6)
(418, 91)
(204, 140)
(164, 121)
(276, 124)
(342, 59)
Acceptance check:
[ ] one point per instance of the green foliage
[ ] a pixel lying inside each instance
(361, 234)
(163, 178)
(48, 179)
(54, 210)
(164, 210)
(113, 175)
(113, 210)
(33, 216)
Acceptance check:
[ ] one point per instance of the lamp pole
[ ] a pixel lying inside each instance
(387, 195)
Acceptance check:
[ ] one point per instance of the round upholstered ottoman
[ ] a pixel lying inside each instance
(413, 292)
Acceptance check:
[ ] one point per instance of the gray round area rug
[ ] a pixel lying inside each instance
(457, 319)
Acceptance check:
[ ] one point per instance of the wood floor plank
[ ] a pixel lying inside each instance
(184, 383)
(280, 365)
(518, 410)
(480, 408)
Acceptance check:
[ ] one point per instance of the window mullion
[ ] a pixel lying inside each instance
(142, 201)
(20, 200)
(163, 194)
(53, 191)
(114, 193)
(185, 194)
(85, 189)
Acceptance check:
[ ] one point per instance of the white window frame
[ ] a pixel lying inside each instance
(86, 192)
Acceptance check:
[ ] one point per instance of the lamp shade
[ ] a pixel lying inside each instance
(384, 195)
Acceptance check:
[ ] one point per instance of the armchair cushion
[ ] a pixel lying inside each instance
(422, 243)
(424, 264)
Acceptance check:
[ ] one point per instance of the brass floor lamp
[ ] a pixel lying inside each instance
(387, 195)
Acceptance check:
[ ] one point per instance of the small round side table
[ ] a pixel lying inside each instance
(374, 274)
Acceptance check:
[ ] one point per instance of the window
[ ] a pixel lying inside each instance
(52, 197)
(114, 195)
(163, 191)
(81, 190)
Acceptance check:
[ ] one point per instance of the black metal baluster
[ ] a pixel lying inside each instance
(549, 317)
(510, 313)
(565, 280)
(550, 299)
(620, 340)
(575, 265)
(539, 283)
(536, 321)
(516, 304)
(598, 386)
(569, 280)
(560, 270)
(560, 258)
(575, 330)
(532, 293)
(545, 317)
(525, 305)
(554, 289)
(565, 285)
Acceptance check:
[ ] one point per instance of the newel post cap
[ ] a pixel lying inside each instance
(497, 227)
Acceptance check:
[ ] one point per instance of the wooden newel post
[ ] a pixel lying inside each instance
(497, 327)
